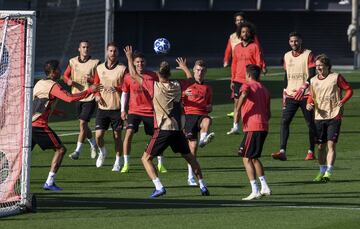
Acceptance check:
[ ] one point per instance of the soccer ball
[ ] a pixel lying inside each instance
(161, 46)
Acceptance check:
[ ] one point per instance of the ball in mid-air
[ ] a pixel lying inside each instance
(161, 46)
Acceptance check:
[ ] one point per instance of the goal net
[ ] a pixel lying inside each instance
(17, 30)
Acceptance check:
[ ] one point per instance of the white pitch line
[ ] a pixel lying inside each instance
(192, 204)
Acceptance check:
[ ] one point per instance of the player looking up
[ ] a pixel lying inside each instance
(166, 98)
(140, 110)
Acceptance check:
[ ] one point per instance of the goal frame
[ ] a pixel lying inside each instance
(27, 200)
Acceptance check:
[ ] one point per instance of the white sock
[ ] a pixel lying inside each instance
(126, 159)
(236, 125)
(51, 178)
(79, 147)
(263, 182)
(310, 151)
(202, 136)
(160, 160)
(202, 183)
(190, 172)
(282, 151)
(117, 159)
(157, 183)
(254, 187)
(323, 169)
(330, 168)
(102, 150)
(92, 142)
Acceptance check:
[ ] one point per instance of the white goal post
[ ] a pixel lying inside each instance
(17, 57)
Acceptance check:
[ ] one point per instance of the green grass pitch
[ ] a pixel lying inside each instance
(98, 198)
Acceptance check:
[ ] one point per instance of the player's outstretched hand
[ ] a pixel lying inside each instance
(128, 52)
(340, 104)
(181, 62)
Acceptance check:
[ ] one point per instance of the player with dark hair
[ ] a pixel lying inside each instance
(79, 75)
(246, 52)
(197, 101)
(234, 40)
(327, 100)
(166, 98)
(45, 93)
(109, 74)
(254, 103)
(299, 68)
(140, 110)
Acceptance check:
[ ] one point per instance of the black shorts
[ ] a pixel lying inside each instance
(327, 130)
(134, 120)
(46, 138)
(236, 90)
(192, 125)
(252, 144)
(106, 117)
(85, 110)
(164, 138)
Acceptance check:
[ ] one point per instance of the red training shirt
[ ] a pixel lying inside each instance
(255, 111)
(196, 97)
(140, 102)
(244, 55)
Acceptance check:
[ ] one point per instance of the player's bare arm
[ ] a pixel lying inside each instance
(129, 55)
(182, 66)
(241, 101)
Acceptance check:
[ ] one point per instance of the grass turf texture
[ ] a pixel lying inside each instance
(96, 197)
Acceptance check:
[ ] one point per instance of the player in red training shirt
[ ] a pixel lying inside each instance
(254, 103)
(140, 110)
(246, 52)
(46, 91)
(197, 102)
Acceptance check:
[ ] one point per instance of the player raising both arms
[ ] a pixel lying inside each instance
(299, 68)
(197, 101)
(79, 75)
(46, 91)
(109, 74)
(327, 100)
(246, 52)
(140, 110)
(166, 98)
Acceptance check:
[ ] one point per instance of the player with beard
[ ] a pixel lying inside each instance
(299, 68)
(246, 52)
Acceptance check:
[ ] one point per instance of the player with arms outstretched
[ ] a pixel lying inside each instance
(166, 98)
(46, 91)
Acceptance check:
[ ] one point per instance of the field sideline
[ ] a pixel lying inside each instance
(98, 198)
